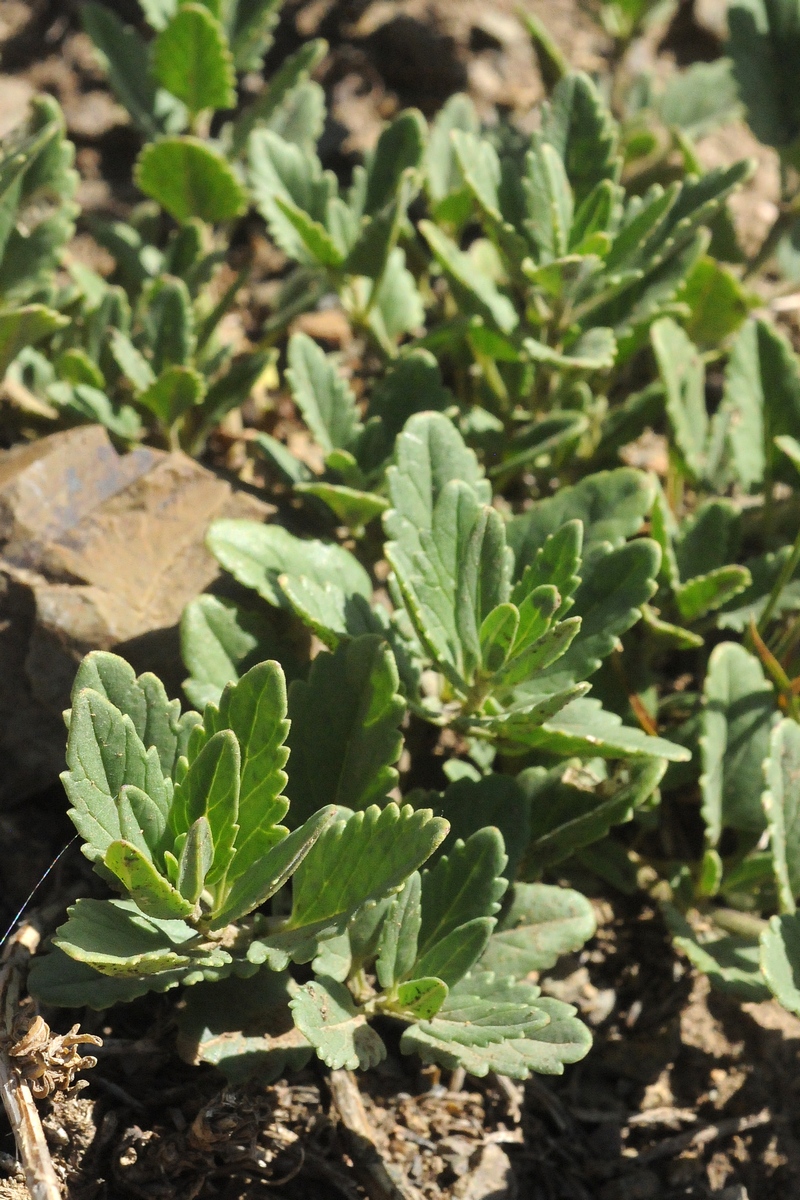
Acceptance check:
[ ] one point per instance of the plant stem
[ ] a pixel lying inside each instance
(786, 573)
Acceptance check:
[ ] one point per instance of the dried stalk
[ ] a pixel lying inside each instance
(380, 1179)
(40, 1174)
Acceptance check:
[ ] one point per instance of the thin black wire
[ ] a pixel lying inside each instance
(38, 884)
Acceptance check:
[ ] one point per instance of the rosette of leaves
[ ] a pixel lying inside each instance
(37, 186)
(175, 82)
(356, 450)
(182, 815)
(513, 618)
(347, 242)
(559, 294)
(142, 352)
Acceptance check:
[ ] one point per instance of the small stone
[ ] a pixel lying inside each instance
(98, 550)
(492, 1179)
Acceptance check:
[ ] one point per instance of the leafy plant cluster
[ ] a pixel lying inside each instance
(476, 655)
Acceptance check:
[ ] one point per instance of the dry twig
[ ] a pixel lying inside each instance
(40, 1175)
(380, 1179)
(698, 1138)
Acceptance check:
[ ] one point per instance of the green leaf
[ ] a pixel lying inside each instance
(683, 376)
(738, 713)
(364, 856)
(104, 752)
(329, 612)
(541, 924)
(150, 891)
(782, 806)
(594, 350)
(22, 327)
(471, 804)
(220, 640)
(293, 71)
(451, 576)
(176, 390)
(280, 171)
(700, 98)
(254, 709)
(549, 201)
(552, 64)
(706, 593)
(324, 398)
(345, 728)
(325, 1014)
(761, 400)
(191, 60)
(156, 719)
(471, 286)
(126, 57)
(780, 960)
(429, 453)
(55, 978)
(257, 555)
(583, 132)
(585, 727)
(210, 789)
(400, 933)
(130, 360)
(763, 44)
(189, 179)
(195, 861)
(709, 538)
(264, 876)
(608, 602)
(169, 321)
(214, 1016)
(612, 506)
(730, 961)
(354, 509)
(460, 896)
(421, 999)
(717, 301)
(400, 146)
(443, 176)
(487, 1024)
(114, 938)
(319, 245)
(568, 816)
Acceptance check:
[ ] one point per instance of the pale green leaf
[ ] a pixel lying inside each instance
(738, 713)
(189, 179)
(345, 728)
(541, 924)
(257, 555)
(191, 59)
(326, 1015)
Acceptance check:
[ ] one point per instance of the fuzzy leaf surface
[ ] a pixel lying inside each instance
(738, 714)
(257, 555)
(345, 728)
(326, 1015)
(782, 806)
(541, 924)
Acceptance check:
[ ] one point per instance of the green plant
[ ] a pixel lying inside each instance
(182, 815)
(140, 353)
(764, 42)
(37, 186)
(541, 322)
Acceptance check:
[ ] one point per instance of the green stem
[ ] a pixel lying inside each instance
(786, 573)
